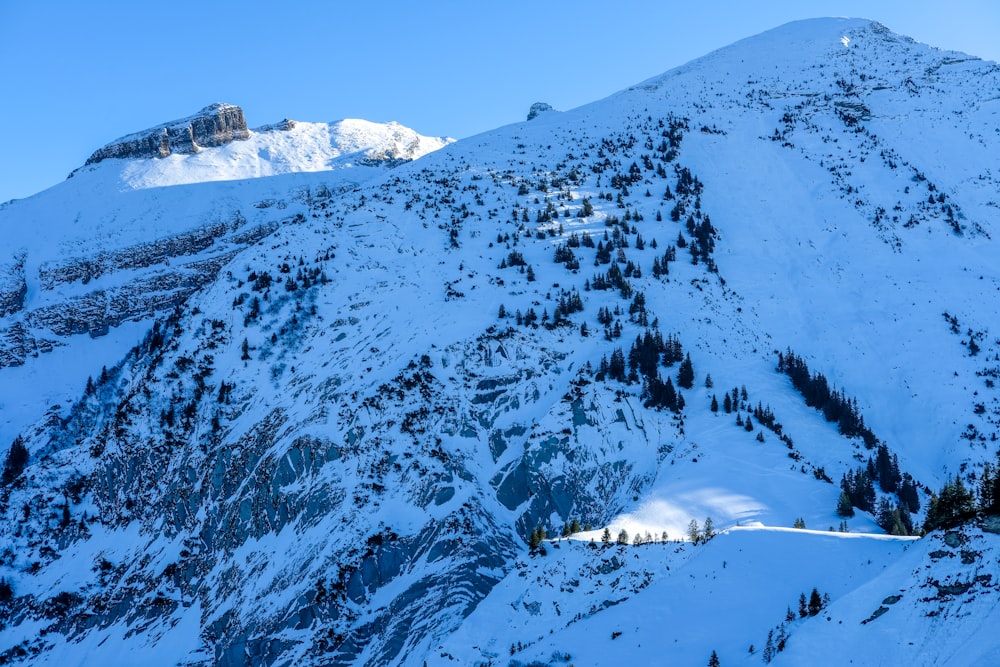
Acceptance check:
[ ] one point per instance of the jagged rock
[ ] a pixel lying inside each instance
(214, 125)
(281, 126)
(13, 287)
(537, 109)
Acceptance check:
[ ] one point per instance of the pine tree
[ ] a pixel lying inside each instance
(17, 459)
(803, 609)
(715, 404)
(606, 536)
(708, 532)
(768, 653)
(952, 506)
(844, 507)
(713, 660)
(815, 603)
(694, 533)
(685, 374)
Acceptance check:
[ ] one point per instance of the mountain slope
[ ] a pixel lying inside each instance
(337, 451)
(118, 244)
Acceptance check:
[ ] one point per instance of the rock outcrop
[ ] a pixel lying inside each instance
(214, 125)
(537, 109)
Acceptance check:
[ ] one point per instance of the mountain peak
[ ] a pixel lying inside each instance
(215, 125)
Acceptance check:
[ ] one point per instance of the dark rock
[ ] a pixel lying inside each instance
(282, 126)
(13, 287)
(214, 125)
(537, 109)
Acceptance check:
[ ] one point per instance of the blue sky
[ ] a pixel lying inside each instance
(76, 75)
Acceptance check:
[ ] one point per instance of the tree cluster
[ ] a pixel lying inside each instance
(834, 404)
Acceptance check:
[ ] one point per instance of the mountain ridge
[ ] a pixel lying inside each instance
(342, 449)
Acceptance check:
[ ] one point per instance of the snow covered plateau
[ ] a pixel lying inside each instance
(589, 389)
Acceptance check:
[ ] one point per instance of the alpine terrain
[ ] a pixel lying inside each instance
(705, 372)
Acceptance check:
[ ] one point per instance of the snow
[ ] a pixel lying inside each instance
(306, 147)
(393, 400)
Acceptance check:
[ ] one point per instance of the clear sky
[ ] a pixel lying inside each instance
(75, 75)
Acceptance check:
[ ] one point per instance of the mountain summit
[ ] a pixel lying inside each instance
(215, 125)
(215, 145)
(703, 372)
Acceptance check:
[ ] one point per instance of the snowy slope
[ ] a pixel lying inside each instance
(286, 147)
(98, 239)
(335, 452)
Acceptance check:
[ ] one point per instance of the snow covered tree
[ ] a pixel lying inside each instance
(694, 532)
(768, 654)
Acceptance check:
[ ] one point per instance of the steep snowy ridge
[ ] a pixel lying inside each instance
(340, 449)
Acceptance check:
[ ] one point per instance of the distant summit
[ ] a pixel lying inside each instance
(215, 125)
(537, 109)
(216, 145)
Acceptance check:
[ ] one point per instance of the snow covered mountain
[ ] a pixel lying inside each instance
(108, 250)
(665, 326)
(234, 152)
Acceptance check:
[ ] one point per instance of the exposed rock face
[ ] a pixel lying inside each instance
(281, 126)
(12, 286)
(537, 109)
(214, 125)
(161, 275)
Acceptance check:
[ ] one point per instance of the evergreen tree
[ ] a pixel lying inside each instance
(708, 532)
(727, 404)
(685, 374)
(606, 536)
(715, 404)
(623, 536)
(768, 653)
(844, 507)
(951, 507)
(803, 609)
(694, 533)
(17, 459)
(713, 660)
(815, 603)
(989, 489)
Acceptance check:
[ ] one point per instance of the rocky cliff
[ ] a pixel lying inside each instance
(214, 125)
